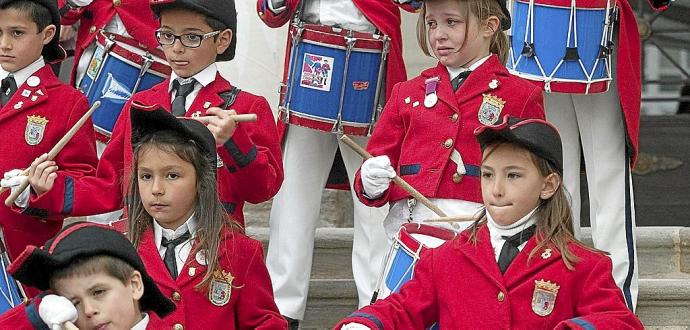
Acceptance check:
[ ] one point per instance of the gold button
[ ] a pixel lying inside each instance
(448, 143)
(178, 327)
(92, 29)
(501, 296)
(457, 177)
(176, 296)
(454, 117)
(117, 3)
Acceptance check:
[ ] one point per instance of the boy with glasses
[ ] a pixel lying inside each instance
(194, 35)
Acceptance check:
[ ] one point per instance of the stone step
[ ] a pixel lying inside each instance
(662, 304)
(663, 252)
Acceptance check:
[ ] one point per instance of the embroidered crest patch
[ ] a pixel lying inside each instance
(35, 129)
(221, 288)
(544, 297)
(490, 110)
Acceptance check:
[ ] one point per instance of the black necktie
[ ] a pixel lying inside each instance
(182, 90)
(510, 247)
(7, 88)
(459, 79)
(169, 258)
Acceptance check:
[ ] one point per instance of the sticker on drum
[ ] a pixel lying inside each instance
(317, 72)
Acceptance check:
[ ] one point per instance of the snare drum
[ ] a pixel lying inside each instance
(334, 79)
(409, 243)
(564, 45)
(118, 69)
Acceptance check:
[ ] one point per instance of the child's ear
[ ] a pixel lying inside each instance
(493, 24)
(136, 284)
(551, 184)
(48, 33)
(223, 41)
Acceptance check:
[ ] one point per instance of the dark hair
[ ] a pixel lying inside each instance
(88, 265)
(213, 23)
(38, 13)
(209, 212)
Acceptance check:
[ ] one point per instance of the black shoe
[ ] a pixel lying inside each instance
(292, 323)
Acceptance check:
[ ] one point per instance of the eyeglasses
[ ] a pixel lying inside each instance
(189, 40)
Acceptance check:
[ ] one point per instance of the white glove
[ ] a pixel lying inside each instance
(12, 180)
(354, 326)
(80, 3)
(56, 310)
(377, 173)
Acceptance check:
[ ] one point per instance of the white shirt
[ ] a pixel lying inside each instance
(496, 231)
(330, 12)
(453, 72)
(183, 249)
(203, 79)
(23, 74)
(141, 325)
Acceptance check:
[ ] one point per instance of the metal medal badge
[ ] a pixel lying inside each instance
(490, 110)
(544, 297)
(221, 287)
(35, 129)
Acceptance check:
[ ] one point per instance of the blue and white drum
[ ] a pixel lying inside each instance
(334, 79)
(410, 242)
(563, 45)
(11, 291)
(119, 68)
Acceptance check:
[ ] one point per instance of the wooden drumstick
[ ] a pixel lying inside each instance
(398, 180)
(457, 218)
(69, 326)
(243, 118)
(54, 151)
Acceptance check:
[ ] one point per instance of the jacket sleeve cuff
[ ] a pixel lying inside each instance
(239, 151)
(359, 190)
(59, 200)
(576, 323)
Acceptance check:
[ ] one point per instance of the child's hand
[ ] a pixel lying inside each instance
(221, 124)
(377, 173)
(55, 310)
(13, 179)
(42, 174)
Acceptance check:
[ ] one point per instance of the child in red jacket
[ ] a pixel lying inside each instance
(519, 264)
(197, 255)
(36, 110)
(95, 280)
(194, 35)
(425, 132)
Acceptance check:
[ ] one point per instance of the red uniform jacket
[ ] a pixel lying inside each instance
(251, 171)
(385, 15)
(250, 305)
(471, 292)
(136, 15)
(32, 122)
(629, 73)
(419, 140)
